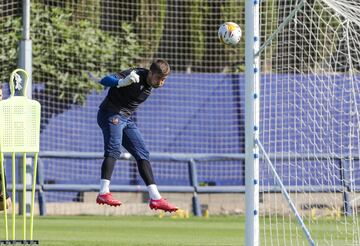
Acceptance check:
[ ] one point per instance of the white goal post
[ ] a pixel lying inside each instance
(302, 122)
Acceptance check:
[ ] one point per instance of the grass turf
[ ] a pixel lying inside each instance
(134, 230)
(152, 230)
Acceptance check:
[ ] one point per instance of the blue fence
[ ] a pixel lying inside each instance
(195, 128)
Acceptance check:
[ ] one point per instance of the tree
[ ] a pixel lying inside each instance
(64, 50)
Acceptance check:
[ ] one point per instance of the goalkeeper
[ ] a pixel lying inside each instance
(128, 90)
(8, 200)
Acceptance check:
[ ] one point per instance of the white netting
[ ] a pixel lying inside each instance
(200, 109)
(309, 95)
(310, 121)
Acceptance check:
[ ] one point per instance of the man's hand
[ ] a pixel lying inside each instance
(131, 78)
(134, 77)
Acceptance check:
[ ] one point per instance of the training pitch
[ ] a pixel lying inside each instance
(169, 231)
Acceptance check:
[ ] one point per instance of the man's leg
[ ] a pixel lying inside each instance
(7, 197)
(107, 169)
(134, 143)
(111, 125)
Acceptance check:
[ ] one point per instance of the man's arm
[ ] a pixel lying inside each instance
(110, 80)
(113, 80)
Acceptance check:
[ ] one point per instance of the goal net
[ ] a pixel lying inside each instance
(200, 110)
(309, 118)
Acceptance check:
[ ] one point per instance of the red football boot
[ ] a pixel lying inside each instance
(162, 204)
(107, 199)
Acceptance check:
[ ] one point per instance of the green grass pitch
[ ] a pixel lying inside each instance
(152, 230)
(134, 230)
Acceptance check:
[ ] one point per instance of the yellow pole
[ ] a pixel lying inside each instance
(24, 196)
(4, 194)
(33, 196)
(13, 162)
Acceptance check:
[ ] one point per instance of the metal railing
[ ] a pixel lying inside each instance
(195, 188)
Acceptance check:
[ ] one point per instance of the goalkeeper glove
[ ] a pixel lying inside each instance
(131, 78)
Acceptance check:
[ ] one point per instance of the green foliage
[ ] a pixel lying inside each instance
(329, 36)
(199, 9)
(9, 37)
(270, 22)
(233, 11)
(150, 23)
(65, 49)
(84, 9)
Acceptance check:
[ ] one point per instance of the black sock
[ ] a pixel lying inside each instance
(107, 167)
(146, 171)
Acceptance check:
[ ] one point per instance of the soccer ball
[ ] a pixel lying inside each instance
(229, 33)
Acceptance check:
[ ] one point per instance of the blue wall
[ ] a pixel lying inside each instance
(175, 119)
(204, 113)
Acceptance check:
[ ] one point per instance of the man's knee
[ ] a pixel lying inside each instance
(114, 154)
(142, 155)
(112, 150)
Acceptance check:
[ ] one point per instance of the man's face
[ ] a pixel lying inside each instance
(0, 94)
(155, 80)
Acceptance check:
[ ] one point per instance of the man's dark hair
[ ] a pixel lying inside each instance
(0, 85)
(160, 67)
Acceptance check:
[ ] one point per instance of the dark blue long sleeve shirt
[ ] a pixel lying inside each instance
(125, 100)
